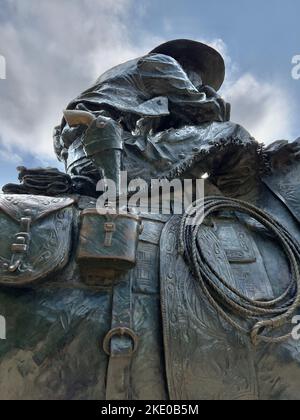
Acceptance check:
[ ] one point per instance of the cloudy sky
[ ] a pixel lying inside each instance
(54, 49)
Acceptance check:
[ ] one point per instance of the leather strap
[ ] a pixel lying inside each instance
(120, 342)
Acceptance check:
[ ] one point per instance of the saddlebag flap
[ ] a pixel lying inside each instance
(35, 237)
(108, 244)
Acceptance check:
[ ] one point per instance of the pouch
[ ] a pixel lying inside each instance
(108, 244)
(35, 237)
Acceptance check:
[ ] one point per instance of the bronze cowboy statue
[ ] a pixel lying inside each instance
(141, 305)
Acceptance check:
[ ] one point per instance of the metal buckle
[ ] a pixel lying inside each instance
(120, 331)
(21, 246)
(109, 228)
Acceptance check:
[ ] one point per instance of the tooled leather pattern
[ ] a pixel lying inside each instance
(49, 236)
(205, 358)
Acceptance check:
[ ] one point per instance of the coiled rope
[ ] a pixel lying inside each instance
(267, 315)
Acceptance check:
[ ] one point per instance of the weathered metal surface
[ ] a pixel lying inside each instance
(35, 237)
(55, 333)
(209, 359)
(286, 185)
(148, 332)
(107, 241)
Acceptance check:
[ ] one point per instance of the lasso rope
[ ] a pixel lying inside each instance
(267, 315)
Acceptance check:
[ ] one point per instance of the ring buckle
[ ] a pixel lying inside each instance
(122, 332)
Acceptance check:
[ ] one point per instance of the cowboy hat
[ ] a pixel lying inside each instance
(198, 57)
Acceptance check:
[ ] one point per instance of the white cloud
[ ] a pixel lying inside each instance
(10, 157)
(265, 109)
(55, 49)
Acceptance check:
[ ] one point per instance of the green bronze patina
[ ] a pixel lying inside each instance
(101, 306)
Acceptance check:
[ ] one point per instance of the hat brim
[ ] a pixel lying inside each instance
(196, 56)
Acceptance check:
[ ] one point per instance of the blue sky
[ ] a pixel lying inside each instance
(55, 49)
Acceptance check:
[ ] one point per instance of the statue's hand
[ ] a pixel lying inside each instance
(102, 141)
(102, 132)
(282, 153)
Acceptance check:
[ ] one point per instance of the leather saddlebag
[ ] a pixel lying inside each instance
(35, 237)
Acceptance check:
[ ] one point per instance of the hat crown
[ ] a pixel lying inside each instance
(197, 57)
